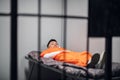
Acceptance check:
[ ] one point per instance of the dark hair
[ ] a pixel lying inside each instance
(50, 41)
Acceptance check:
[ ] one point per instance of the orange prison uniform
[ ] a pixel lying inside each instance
(77, 58)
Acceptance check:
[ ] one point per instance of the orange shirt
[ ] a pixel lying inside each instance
(77, 58)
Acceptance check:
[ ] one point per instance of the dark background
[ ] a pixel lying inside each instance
(104, 18)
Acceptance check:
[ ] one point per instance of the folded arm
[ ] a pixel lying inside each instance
(52, 54)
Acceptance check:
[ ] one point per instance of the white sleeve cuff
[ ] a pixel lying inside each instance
(52, 54)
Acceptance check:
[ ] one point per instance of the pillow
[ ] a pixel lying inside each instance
(34, 55)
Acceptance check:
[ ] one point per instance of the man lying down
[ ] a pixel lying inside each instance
(84, 59)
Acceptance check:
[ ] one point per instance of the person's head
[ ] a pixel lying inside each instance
(52, 43)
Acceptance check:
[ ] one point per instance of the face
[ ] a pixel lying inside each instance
(53, 44)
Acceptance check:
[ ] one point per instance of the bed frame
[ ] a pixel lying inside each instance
(45, 72)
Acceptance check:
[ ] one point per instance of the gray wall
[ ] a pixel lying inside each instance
(50, 28)
(4, 48)
(4, 40)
